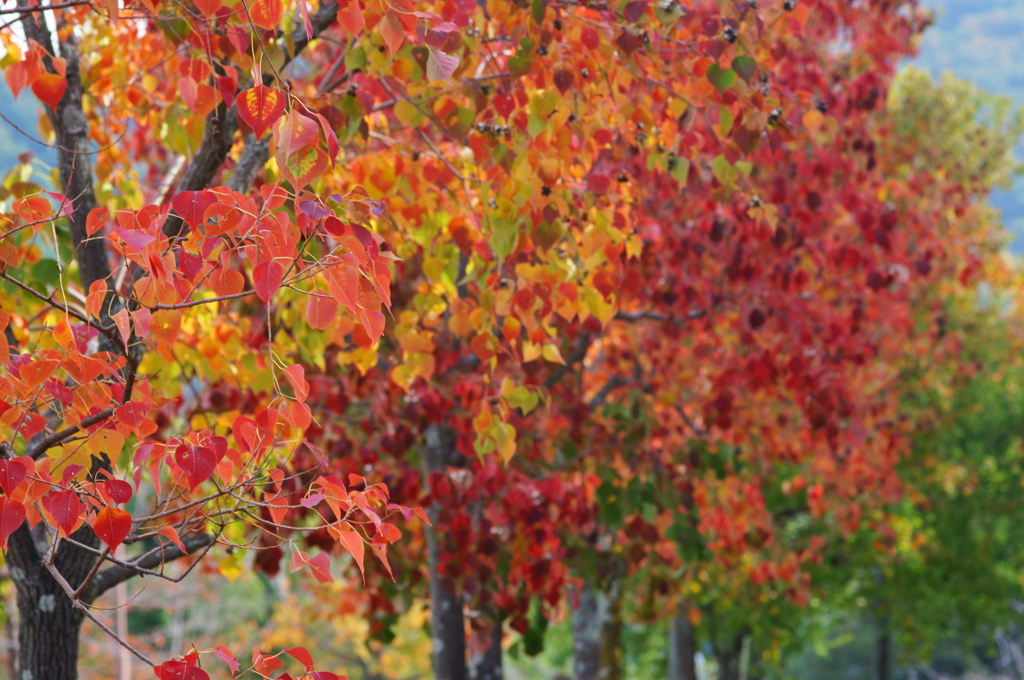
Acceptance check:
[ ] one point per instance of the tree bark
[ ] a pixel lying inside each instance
(448, 628)
(48, 622)
(597, 633)
(682, 647)
(884, 649)
(487, 666)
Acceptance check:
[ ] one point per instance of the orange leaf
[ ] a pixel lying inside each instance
(381, 551)
(112, 526)
(393, 32)
(171, 534)
(353, 543)
(62, 334)
(351, 18)
(49, 87)
(266, 14)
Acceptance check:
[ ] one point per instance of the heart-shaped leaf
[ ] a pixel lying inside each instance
(720, 77)
(12, 514)
(266, 14)
(112, 526)
(12, 474)
(65, 509)
(441, 66)
(260, 107)
(745, 67)
(266, 278)
(196, 462)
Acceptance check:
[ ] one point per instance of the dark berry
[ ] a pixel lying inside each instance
(558, 24)
(622, 177)
(546, 191)
(585, 73)
(729, 34)
(381, 48)
(774, 116)
(486, 89)
(821, 106)
(789, 5)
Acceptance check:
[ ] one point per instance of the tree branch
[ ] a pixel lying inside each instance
(222, 123)
(108, 578)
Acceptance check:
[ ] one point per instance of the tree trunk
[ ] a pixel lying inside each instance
(682, 647)
(48, 624)
(730, 658)
(487, 666)
(884, 646)
(447, 626)
(597, 633)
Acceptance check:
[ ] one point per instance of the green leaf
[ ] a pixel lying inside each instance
(681, 170)
(745, 67)
(720, 77)
(725, 120)
(520, 64)
(538, 11)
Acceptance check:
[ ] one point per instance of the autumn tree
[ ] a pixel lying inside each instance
(297, 259)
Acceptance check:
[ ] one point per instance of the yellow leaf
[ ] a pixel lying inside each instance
(552, 354)
(530, 351)
(230, 566)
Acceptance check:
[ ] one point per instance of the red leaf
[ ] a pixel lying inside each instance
(321, 568)
(179, 670)
(12, 514)
(302, 655)
(320, 311)
(65, 509)
(112, 526)
(192, 205)
(49, 87)
(564, 79)
(118, 490)
(12, 474)
(196, 462)
(260, 107)
(133, 413)
(599, 184)
(224, 654)
(266, 278)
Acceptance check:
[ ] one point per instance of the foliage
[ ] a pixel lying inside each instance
(646, 275)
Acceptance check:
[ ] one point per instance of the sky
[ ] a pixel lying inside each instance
(981, 40)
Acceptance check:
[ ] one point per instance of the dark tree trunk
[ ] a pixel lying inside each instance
(682, 647)
(487, 666)
(447, 625)
(597, 633)
(730, 658)
(884, 648)
(48, 623)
